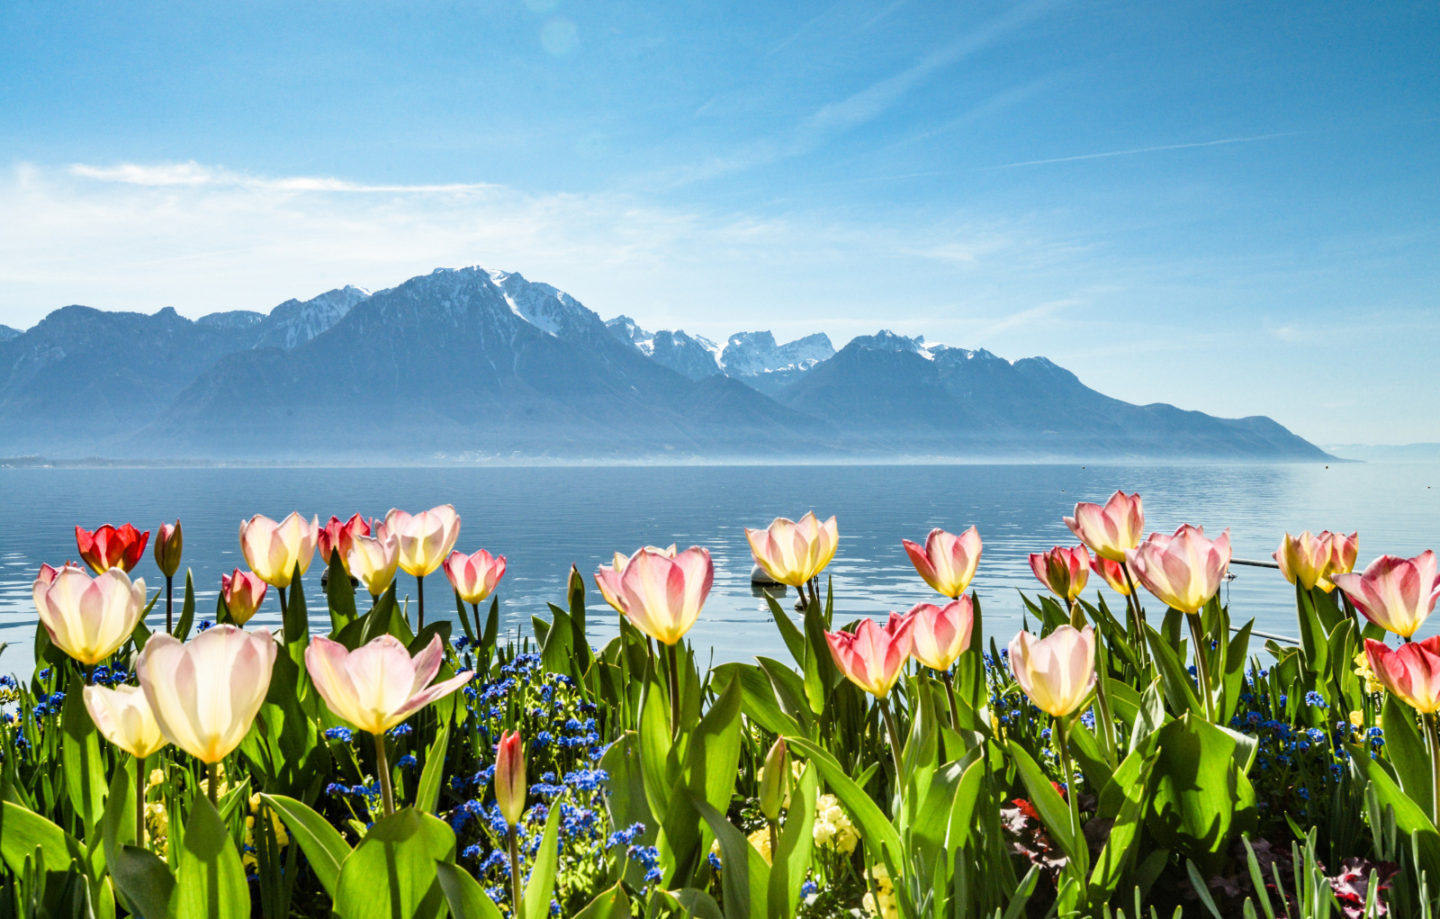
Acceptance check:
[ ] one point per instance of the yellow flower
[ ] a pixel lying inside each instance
(833, 828)
(157, 777)
(882, 902)
(1362, 670)
(760, 839)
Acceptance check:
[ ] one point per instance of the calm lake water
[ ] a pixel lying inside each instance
(546, 519)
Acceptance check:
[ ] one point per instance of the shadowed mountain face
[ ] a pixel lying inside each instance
(476, 364)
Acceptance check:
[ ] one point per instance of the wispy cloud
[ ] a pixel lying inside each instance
(194, 174)
(1158, 148)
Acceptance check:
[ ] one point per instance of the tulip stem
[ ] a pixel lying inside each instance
(1062, 736)
(284, 602)
(515, 889)
(1132, 600)
(894, 731)
(1202, 663)
(420, 602)
(674, 669)
(169, 604)
(949, 679)
(140, 784)
(1432, 734)
(382, 766)
(212, 784)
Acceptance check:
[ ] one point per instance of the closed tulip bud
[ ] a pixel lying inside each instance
(941, 633)
(124, 718)
(378, 685)
(206, 693)
(425, 539)
(88, 619)
(373, 561)
(243, 594)
(792, 552)
(947, 562)
(1057, 671)
(660, 595)
(109, 547)
(1304, 559)
(873, 657)
(169, 542)
(1110, 530)
(1183, 570)
(1113, 573)
(1411, 674)
(617, 569)
(510, 778)
(1396, 594)
(1064, 571)
(274, 550)
(474, 576)
(775, 783)
(339, 536)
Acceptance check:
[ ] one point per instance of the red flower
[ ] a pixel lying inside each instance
(108, 547)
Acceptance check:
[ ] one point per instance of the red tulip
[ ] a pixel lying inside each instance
(1112, 572)
(1183, 570)
(1064, 571)
(871, 656)
(1112, 530)
(243, 593)
(947, 562)
(941, 634)
(340, 535)
(1396, 594)
(108, 547)
(510, 777)
(168, 544)
(1411, 674)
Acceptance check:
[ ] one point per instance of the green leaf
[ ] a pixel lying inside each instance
(325, 849)
(877, 831)
(1199, 796)
(427, 795)
(758, 698)
(1174, 679)
(745, 878)
(23, 831)
(789, 632)
(84, 769)
(210, 881)
(187, 608)
(1053, 810)
(296, 617)
(377, 621)
(789, 691)
(339, 594)
(713, 754)
(144, 880)
(465, 896)
(797, 842)
(1407, 752)
(608, 904)
(403, 849)
(117, 824)
(541, 885)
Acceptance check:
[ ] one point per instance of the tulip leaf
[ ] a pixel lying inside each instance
(427, 795)
(377, 621)
(488, 639)
(402, 848)
(144, 881)
(611, 903)
(1053, 810)
(1407, 752)
(713, 755)
(1199, 796)
(1174, 680)
(1412, 822)
(745, 878)
(464, 894)
(325, 849)
(797, 842)
(296, 616)
(877, 831)
(758, 698)
(23, 831)
(81, 761)
(789, 691)
(339, 594)
(693, 903)
(575, 600)
(794, 639)
(541, 885)
(117, 824)
(558, 651)
(187, 608)
(209, 878)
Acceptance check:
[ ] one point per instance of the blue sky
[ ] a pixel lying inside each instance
(1228, 206)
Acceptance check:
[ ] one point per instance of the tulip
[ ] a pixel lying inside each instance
(108, 547)
(206, 693)
(774, 783)
(1064, 571)
(618, 569)
(123, 717)
(1057, 671)
(274, 550)
(1412, 674)
(795, 552)
(1113, 573)
(425, 540)
(169, 541)
(377, 686)
(873, 658)
(373, 560)
(510, 798)
(661, 595)
(243, 592)
(947, 562)
(1112, 530)
(938, 637)
(339, 536)
(88, 618)
(1396, 594)
(1305, 559)
(474, 576)
(1343, 551)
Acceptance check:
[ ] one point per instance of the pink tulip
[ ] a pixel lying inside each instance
(1063, 571)
(372, 560)
(1305, 559)
(379, 684)
(510, 777)
(88, 619)
(660, 595)
(617, 569)
(792, 552)
(1183, 570)
(1411, 674)
(274, 550)
(1343, 551)
(1057, 671)
(339, 536)
(1396, 594)
(109, 547)
(243, 592)
(169, 541)
(940, 634)
(425, 539)
(873, 657)
(1112, 572)
(474, 576)
(124, 718)
(206, 693)
(1112, 530)
(947, 562)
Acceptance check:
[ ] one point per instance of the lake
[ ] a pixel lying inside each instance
(544, 519)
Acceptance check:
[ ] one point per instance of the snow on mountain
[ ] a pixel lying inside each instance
(545, 307)
(755, 353)
(628, 331)
(295, 322)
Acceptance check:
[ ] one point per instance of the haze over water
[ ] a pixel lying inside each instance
(545, 519)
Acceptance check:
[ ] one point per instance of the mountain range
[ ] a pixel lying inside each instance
(477, 365)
